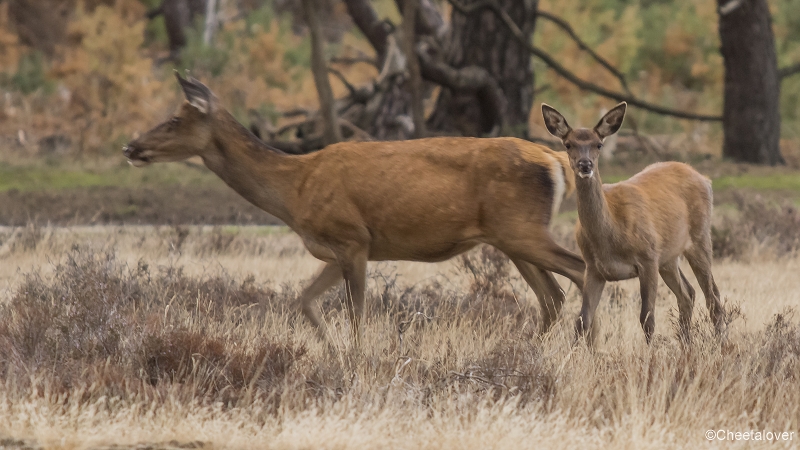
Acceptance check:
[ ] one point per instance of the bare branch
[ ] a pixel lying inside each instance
(788, 71)
(344, 81)
(566, 74)
(354, 60)
(366, 19)
(358, 133)
(296, 112)
(561, 23)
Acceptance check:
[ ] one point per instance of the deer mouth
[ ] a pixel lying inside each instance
(587, 174)
(135, 157)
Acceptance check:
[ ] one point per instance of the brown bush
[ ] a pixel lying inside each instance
(96, 322)
(776, 228)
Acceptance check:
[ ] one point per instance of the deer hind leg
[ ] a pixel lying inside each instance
(544, 253)
(679, 285)
(551, 296)
(327, 277)
(699, 257)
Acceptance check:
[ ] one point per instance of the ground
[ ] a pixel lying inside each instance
(187, 336)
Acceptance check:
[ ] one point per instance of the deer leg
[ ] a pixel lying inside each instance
(648, 285)
(592, 291)
(354, 271)
(699, 258)
(327, 277)
(551, 296)
(545, 254)
(679, 285)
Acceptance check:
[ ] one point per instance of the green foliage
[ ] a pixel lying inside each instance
(211, 59)
(759, 182)
(31, 74)
(42, 177)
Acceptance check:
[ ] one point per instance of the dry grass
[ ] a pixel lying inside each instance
(186, 336)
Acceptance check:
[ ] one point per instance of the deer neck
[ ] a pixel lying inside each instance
(593, 211)
(260, 174)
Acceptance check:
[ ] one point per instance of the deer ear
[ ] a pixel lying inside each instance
(611, 122)
(197, 94)
(556, 123)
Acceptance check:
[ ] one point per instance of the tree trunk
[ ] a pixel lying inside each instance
(414, 77)
(751, 115)
(481, 39)
(319, 67)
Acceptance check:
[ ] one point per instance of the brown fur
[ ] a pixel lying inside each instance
(423, 200)
(639, 227)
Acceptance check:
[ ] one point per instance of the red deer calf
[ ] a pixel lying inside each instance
(639, 227)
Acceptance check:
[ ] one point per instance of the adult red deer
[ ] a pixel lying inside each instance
(639, 227)
(423, 200)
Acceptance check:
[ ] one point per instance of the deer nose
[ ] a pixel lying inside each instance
(127, 150)
(585, 165)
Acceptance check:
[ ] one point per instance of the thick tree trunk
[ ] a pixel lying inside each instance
(481, 39)
(751, 115)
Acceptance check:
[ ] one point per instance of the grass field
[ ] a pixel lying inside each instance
(181, 337)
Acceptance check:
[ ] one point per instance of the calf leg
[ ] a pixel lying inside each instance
(699, 258)
(592, 291)
(679, 285)
(648, 284)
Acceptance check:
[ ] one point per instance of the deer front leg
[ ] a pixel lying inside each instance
(593, 285)
(648, 285)
(354, 270)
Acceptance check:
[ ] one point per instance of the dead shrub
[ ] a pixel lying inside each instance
(490, 293)
(98, 323)
(780, 349)
(515, 368)
(776, 228)
(216, 366)
(215, 242)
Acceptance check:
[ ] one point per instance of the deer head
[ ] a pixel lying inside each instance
(583, 145)
(186, 134)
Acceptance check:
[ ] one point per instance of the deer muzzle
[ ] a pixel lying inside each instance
(585, 168)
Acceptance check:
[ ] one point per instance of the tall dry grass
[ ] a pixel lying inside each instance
(173, 337)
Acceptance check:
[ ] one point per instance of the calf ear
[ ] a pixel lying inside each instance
(611, 122)
(197, 94)
(556, 123)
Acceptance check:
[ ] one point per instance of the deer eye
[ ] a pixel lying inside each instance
(175, 120)
(567, 146)
(599, 145)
